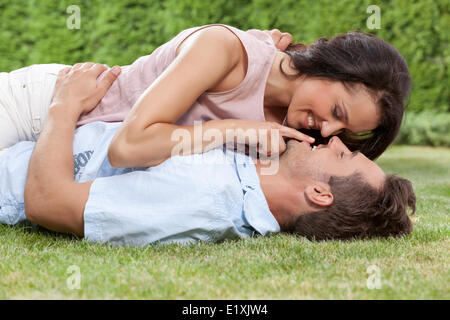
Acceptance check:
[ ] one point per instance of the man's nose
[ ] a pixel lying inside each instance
(337, 145)
(330, 128)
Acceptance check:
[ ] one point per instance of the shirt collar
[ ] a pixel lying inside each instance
(256, 209)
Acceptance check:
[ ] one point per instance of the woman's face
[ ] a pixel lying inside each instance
(330, 107)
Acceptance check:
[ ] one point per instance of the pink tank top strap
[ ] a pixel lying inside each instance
(245, 101)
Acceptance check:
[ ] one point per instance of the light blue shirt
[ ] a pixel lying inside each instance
(207, 197)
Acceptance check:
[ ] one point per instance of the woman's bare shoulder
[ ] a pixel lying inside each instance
(214, 37)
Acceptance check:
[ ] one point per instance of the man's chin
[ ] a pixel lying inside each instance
(295, 147)
(298, 144)
(296, 156)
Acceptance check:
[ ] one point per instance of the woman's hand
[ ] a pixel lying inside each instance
(281, 39)
(266, 137)
(77, 87)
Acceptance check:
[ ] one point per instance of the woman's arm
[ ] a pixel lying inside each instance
(52, 199)
(203, 61)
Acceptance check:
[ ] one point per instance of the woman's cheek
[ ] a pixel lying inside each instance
(295, 121)
(295, 118)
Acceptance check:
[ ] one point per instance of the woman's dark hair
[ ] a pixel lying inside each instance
(360, 58)
(360, 211)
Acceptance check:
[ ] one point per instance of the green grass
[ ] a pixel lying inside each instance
(34, 262)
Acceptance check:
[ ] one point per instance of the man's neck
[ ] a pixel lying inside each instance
(277, 191)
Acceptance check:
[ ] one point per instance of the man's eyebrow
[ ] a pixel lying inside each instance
(355, 153)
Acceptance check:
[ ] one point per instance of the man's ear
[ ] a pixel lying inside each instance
(319, 195)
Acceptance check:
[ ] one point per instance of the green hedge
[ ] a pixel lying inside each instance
(117, 32)
(425, 128)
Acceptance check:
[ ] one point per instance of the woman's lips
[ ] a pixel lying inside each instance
(309, 121)
(305, 122)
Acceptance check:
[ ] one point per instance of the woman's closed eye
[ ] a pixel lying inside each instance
(337, 113)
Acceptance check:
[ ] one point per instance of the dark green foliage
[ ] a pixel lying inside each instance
(119, 31)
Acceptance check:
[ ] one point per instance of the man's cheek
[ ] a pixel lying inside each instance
(322, 166)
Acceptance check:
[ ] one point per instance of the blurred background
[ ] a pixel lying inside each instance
(119, 31)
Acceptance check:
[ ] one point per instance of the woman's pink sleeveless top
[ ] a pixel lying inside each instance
(246, 101)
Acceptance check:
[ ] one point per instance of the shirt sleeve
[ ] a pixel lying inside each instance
(164, 204)
(13, 173)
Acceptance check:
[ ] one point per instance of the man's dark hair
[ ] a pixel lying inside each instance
(360, 211)
(360, 58)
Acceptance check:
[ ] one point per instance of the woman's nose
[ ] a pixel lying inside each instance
(330, 128)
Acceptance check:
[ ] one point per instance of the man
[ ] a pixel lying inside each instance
(326, 193)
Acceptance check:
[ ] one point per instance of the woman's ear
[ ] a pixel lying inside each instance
(319, 195)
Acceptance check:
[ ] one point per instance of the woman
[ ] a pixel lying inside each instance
(353, 85)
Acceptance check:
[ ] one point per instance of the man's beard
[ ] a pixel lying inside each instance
(295, 156)
(298, 161)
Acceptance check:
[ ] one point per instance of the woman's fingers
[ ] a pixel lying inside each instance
(271, 146)
(295, 134)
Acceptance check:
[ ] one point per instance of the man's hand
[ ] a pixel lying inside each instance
(52, 198)
(281, 39)
(77, 87)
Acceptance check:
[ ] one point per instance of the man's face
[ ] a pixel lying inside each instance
(333, 159)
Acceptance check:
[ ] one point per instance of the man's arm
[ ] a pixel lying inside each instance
(52, 198)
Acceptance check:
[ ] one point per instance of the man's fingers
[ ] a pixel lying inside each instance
(98, 68)
(285, 41)
(110, 76)
(275, 32)
(280, 39)
(77, 66)
(87, 65)
(64, 71)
